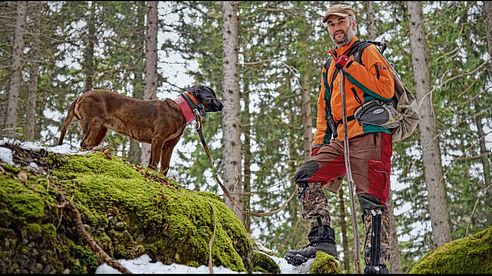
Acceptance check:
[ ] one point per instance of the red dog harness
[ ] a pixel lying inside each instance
(185, 107)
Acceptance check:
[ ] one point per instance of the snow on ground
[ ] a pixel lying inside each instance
(63, 149)
(143, 265)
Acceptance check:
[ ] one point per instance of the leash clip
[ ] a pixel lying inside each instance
(198, 120)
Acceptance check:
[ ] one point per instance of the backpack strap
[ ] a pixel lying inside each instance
(356, 50)
(329, 118)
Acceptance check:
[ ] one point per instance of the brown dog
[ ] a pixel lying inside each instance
(159, 122)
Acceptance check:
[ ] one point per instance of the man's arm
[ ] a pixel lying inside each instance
(374, 77)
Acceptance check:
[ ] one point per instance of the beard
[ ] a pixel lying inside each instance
(344, 38)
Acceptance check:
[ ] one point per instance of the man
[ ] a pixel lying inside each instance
(370, 146)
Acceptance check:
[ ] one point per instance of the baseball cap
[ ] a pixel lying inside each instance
(339, 10)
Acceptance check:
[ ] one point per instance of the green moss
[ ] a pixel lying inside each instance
(19, 202)
(128, 210)
(469, 255)
(263, 263)
(48, 231)
(325, 264)
(83, 260)
(34, 228)
(10, 168)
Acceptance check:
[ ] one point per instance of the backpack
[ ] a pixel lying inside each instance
(399, 114)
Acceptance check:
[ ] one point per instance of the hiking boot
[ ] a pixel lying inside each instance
(298, 257)
(380, 269)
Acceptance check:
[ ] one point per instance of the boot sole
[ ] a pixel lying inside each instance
(297, 259)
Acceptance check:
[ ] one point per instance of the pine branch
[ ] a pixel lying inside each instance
(453, 78)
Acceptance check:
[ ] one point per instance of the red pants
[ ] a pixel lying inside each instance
(370, 160)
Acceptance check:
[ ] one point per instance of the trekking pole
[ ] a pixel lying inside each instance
(349, 174)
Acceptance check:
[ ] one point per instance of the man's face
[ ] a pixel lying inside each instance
(341, 29)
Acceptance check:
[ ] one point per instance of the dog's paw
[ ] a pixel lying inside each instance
(106, 150)
(108, 153)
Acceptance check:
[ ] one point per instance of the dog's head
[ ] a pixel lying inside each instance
(206, 96)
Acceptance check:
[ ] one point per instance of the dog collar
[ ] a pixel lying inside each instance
(185, 107)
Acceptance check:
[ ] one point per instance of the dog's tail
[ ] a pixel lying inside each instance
(68, 120)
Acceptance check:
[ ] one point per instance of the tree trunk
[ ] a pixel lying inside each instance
(30, 127)
(488, 27)
(307, 118)
(231, 110)
(134, 153)
(90, 43)
(395, 256)
(15, 81)
(343, 225)
(438, 206)
(247, 156)
(370, 24)
(484, 154)
(481, 133)
(150, 90)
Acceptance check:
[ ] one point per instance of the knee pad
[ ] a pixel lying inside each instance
(306, 171)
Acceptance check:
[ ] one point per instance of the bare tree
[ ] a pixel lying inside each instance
(343, 225)
(135, 152)
(307, 118)
(488, 21)
(15, 80)
(30, 126)
(438, 206)
(90, 44)
(370, 24)
(248, 156)
(484, 153)
(150, 90)
(231, 110)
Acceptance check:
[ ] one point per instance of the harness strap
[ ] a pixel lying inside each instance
(356, 51)
(349, 118)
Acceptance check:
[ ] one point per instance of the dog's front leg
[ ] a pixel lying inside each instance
(166, 154)
(155, 152)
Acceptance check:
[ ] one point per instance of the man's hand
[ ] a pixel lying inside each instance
(314, 150)
(342, 61)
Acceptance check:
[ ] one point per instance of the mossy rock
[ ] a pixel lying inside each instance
(469, 255)
(325, 264)
(263, 263)
(128, 210)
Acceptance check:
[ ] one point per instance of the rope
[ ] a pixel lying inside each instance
(211, 242)
(349, 175)
(226, 191)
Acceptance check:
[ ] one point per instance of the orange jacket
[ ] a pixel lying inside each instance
(373, 80)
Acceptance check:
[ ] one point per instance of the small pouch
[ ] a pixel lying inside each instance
(378, 113)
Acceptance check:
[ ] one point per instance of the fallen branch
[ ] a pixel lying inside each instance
(211, 242)
(75, 215)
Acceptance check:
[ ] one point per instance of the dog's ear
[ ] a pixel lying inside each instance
(209, 90)
(192, 89)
